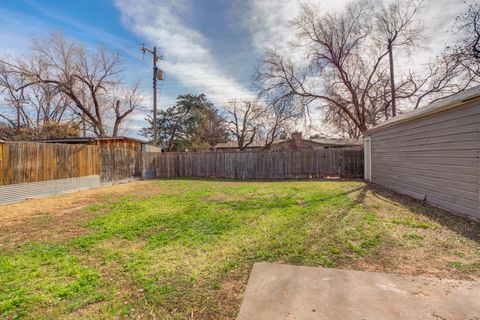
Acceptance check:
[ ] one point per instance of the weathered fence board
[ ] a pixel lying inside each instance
(119, 160)
(266, 165)
(22, 162)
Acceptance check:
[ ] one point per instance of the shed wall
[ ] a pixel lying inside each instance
(435, 158)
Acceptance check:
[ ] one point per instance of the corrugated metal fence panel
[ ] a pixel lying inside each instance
(21, 191)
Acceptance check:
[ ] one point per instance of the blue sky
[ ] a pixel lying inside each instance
(209, 46)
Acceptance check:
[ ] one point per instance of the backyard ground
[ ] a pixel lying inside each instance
(183, 249)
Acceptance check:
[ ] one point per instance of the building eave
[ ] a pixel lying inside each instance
(431, 109)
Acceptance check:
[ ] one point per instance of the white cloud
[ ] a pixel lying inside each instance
(268, 23)
(268, 20)
(186, 51)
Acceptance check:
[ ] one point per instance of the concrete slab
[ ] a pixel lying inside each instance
(283, 292)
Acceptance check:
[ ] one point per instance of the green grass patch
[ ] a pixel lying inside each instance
(475, 266)
(412, 236)
(45, 276)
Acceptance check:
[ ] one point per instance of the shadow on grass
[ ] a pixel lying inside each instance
(459, 224)
(291, 201)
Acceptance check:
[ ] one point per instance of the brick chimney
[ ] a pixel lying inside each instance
(296, 141)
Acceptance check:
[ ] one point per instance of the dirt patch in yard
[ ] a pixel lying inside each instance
(60, 217)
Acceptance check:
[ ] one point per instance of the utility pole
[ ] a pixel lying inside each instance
(156, 76)
(83, 114)
(17, 103)
(392, 78)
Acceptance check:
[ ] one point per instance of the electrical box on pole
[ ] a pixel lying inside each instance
(157, 75)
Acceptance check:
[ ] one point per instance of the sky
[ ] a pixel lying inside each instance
(208, 46)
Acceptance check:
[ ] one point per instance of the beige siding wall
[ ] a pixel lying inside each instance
(435, 158)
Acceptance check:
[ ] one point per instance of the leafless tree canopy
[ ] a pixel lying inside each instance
(249, 121)
(68, 83)
(466, 51)
(242, 122)
(397, 27)
(341, 59)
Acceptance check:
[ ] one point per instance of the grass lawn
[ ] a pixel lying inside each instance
(183, 249)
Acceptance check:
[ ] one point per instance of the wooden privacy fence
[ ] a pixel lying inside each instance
(119, 160)
(267, 165)
(22, 162)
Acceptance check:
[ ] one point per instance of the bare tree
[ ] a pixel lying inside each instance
(85, 77)
(457, 68)
(466, 51)
(336, 46)
(123, 105)
(275, 121)
(468, 26)
(344, 61)
(242, 121)
(13, 99)
(398, 27)
(36, 110)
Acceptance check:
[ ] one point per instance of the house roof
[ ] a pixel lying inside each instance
(234, 144)
(338, 142)
(261, 143)
(437, 106)
(86, 139)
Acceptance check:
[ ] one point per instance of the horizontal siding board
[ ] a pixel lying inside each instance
(459, 128)
(438, 201)
(456, 207)
(452, 146)
(426, 190)
(434, 139)
(464, 124)
(453, 165)
(464, 154)
(470, 181)
(425, 186)
(425, 159)
(436, 157)
(455, 188)
(467, 114)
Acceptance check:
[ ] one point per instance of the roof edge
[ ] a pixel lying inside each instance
(445, 107)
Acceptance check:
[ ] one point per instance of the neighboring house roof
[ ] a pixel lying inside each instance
(87, 139)
(261, 143)
(339, 142)
(234, 144)
(434, 107)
